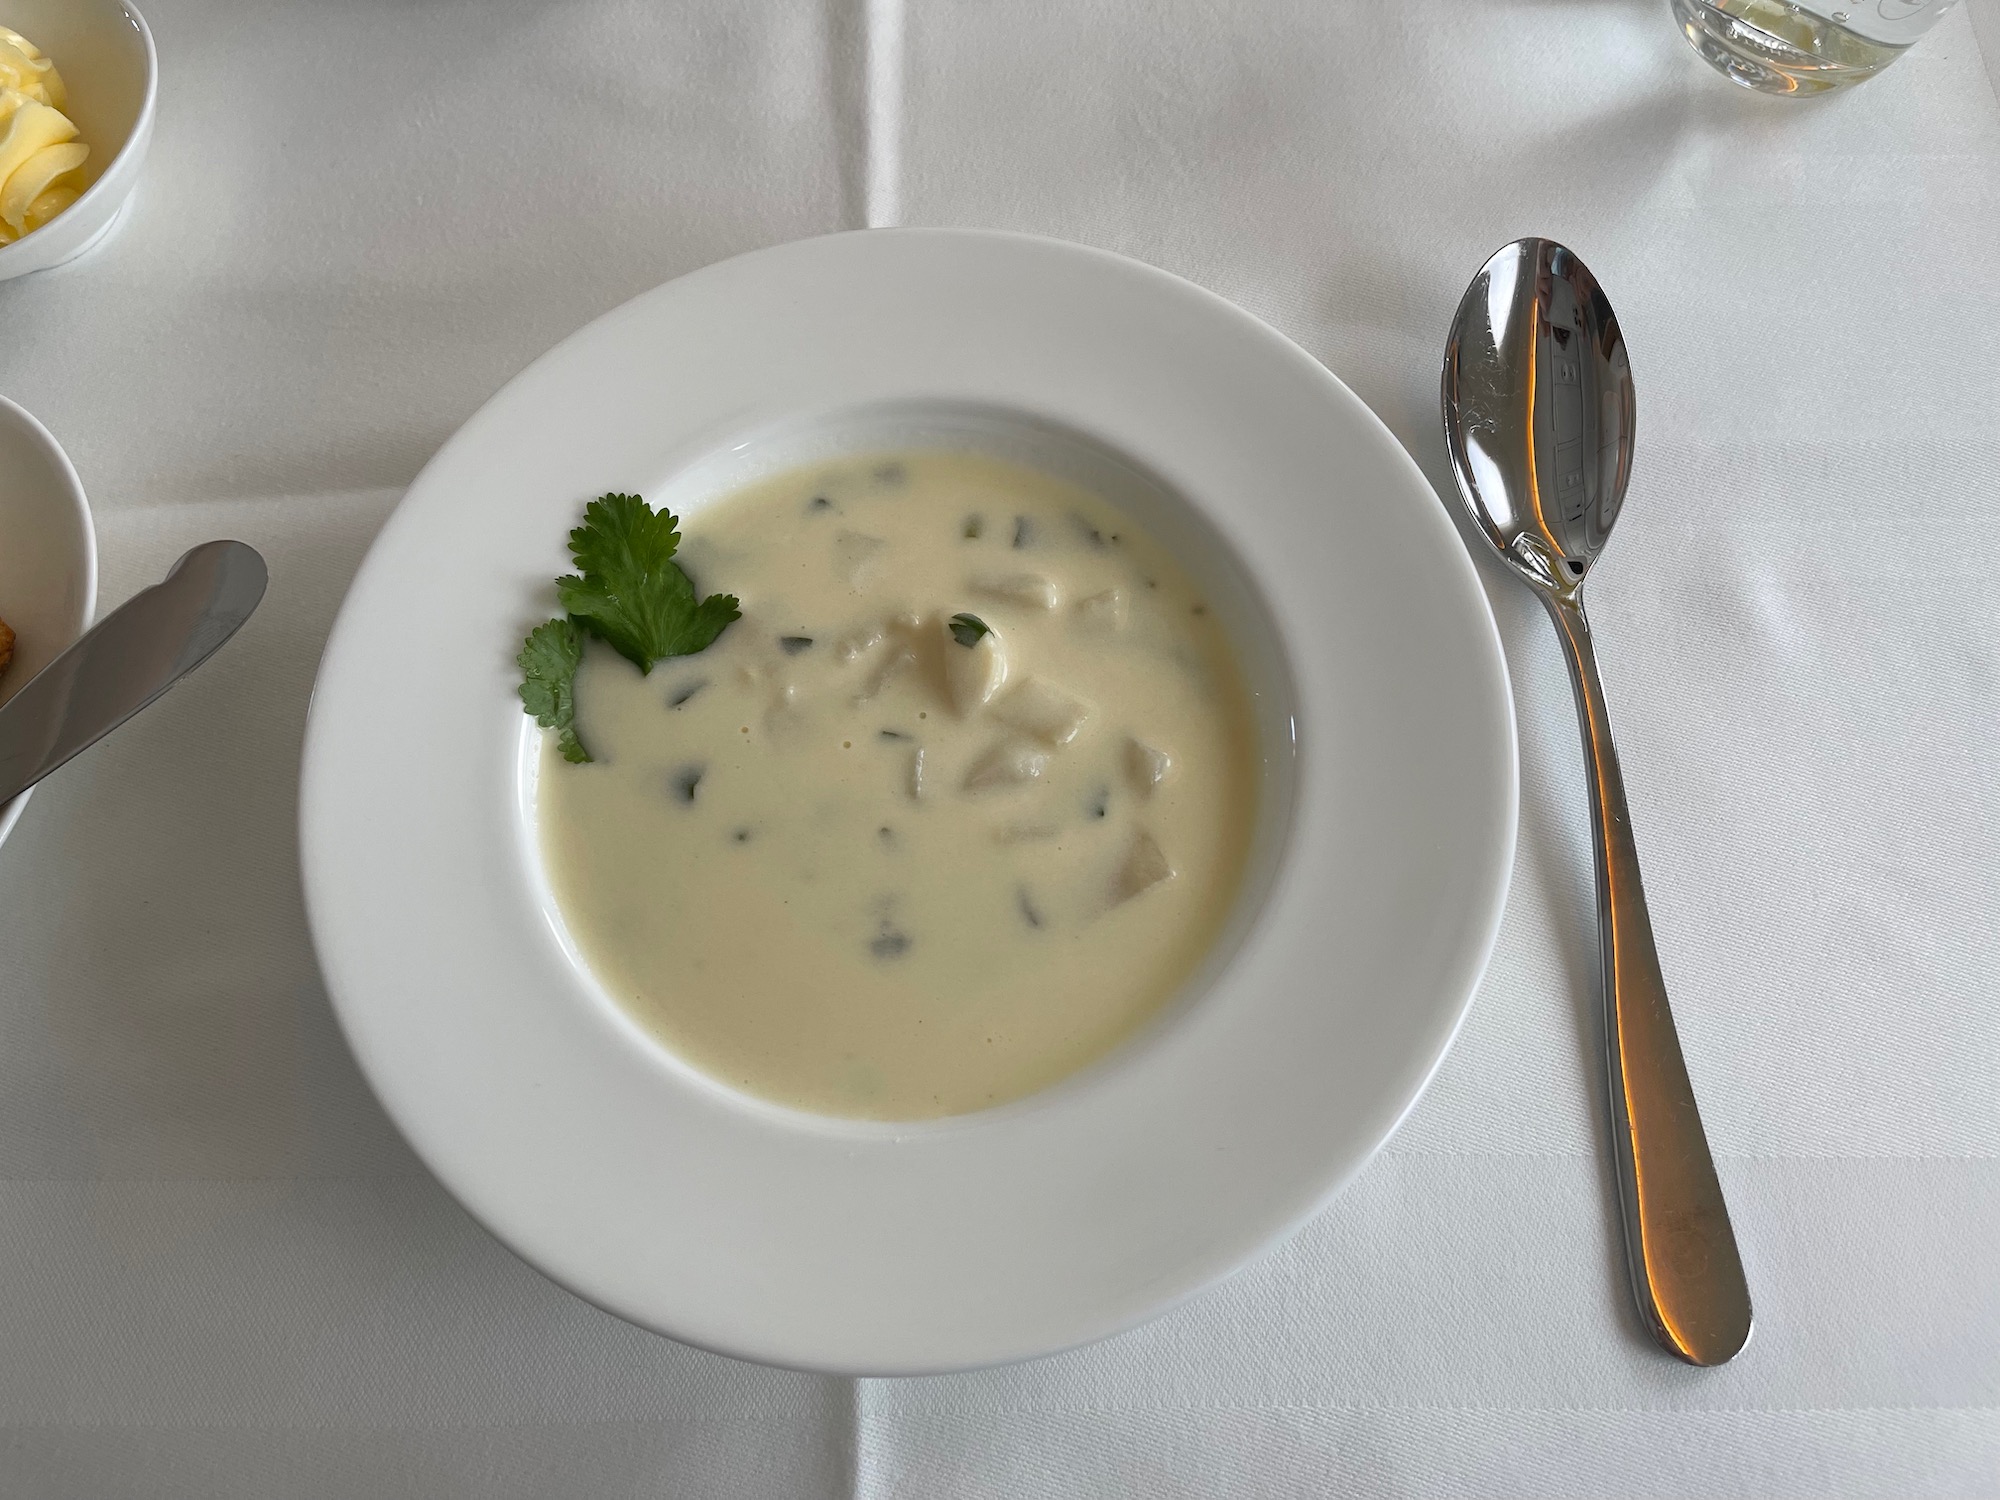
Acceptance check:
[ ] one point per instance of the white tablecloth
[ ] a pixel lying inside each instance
(222, 1273)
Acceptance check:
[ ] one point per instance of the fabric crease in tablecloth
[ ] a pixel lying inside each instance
(222, 1272)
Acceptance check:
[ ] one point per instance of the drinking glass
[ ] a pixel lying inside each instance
(1804, 46)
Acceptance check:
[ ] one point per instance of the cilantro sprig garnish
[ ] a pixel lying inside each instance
(631, 594)
(628, 592)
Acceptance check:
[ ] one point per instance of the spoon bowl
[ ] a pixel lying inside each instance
(1539, 411)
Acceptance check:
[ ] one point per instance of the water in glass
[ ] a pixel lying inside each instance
(1804, 46)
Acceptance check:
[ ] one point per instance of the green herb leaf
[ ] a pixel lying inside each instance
(967, 629)
(631, 594)
(548, 662)
(622, 534)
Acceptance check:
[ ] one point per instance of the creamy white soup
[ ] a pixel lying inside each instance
(952, 810)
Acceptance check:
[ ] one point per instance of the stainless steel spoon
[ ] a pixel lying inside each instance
(126, 660)
(1538, 416)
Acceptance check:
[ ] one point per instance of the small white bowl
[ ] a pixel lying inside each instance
(48, 557)
(105, 55)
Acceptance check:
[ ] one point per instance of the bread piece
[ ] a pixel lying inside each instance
(6, 645)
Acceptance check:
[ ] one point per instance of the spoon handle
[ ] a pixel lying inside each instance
(1686, 1273)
